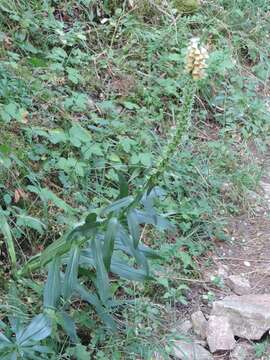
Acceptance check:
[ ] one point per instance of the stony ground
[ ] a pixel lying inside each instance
(240, 267)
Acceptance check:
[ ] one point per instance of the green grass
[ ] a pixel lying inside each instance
(82, 99)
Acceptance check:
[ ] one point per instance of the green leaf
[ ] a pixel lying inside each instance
(29, 221)
(79, 136)
(124, 271)
(123, 184)
(5, 229)
(79, 352)
(109, 239)
(74, 75)
(140, 258)
(102, 278)
(68, 325)
(71, 274)
(39, 329)
(117, 205)
(94, 301)
(134, 227)
(85, 230)
(57, 136)
(57, 248)
(52, 288)
(4, 341)
(47, 195)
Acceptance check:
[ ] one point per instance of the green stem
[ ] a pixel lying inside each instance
(182, 126)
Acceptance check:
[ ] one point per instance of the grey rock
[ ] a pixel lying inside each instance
(199, 324)
(249, 315)
(184, 327)
(223, 271)
(238, 284)
(243, 351)
(220, 334)
(184, 350)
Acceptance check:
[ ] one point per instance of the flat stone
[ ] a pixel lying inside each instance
(199, 324)
(238, 284)
(220, 334)
(184, 350)
(183, 327)
(243, 351)
(249, 315)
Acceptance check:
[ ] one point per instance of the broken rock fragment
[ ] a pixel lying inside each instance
(220, 334)
(199, 324)
(185, 350)
(248, 315)
(238, 284)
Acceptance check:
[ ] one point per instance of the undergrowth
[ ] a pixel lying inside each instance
(90, 97)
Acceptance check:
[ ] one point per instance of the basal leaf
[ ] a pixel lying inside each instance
(109, 239)
(38, 329)
(52, 288)
(71, 274)
(102, 278)
(134, 227)
(118, 205)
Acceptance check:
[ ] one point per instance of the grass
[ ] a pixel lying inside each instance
(86, 92)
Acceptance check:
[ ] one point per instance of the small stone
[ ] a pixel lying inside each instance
(183, 327)
(199, 324)
(184, 350)
(220, 334)
(247, 263)
(243, 351)
(238, 284)
(249, 315)
(223, 271)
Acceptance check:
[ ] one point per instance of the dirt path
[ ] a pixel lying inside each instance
(246, 255)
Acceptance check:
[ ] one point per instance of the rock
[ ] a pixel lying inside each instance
(223, 271)
(249, 315)
(183, 327)
(238, 284)
(220, 334)
(199, 324)
(184, 350)
(243, 351)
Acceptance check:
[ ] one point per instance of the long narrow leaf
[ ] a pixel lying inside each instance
(118, 205)
(68, 325)
(95, 302)
(134, 227)
(5, 229)
(71, 274)
(102, 278)
(38, 329)
(109, 239)
(52, 289)
(140, 258)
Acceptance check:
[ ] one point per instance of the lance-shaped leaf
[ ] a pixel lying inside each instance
(52, 289)
(57, 248)
(71, 274)
(140, 258)
(123, 185)
(102, 278)
(5, 229)
(117, 205)
(39, 329)
(93, 300)
(86, 229)
(134, 227)
(68, 325)
(108, 245)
